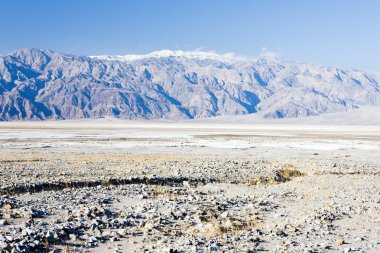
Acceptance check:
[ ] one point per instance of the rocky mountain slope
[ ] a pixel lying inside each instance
(42, 84)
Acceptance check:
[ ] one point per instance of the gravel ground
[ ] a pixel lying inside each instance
(144, 190)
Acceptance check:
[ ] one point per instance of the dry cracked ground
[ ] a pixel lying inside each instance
(94, 187)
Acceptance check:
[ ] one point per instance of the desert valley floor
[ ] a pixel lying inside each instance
(112, 186)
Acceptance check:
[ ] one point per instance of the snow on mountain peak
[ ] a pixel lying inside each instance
(201, 55)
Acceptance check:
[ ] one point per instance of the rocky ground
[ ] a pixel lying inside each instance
(157, 190)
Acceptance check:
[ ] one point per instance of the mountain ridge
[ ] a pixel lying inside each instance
(43, 84)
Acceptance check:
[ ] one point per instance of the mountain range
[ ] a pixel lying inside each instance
(43, 84)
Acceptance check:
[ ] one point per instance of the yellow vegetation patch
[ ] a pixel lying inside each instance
(279, 176)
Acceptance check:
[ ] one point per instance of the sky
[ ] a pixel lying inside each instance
(344, 33)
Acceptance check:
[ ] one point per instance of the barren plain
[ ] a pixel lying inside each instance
(117, 186)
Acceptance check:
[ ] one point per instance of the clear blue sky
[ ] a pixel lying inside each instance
(344, 33)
